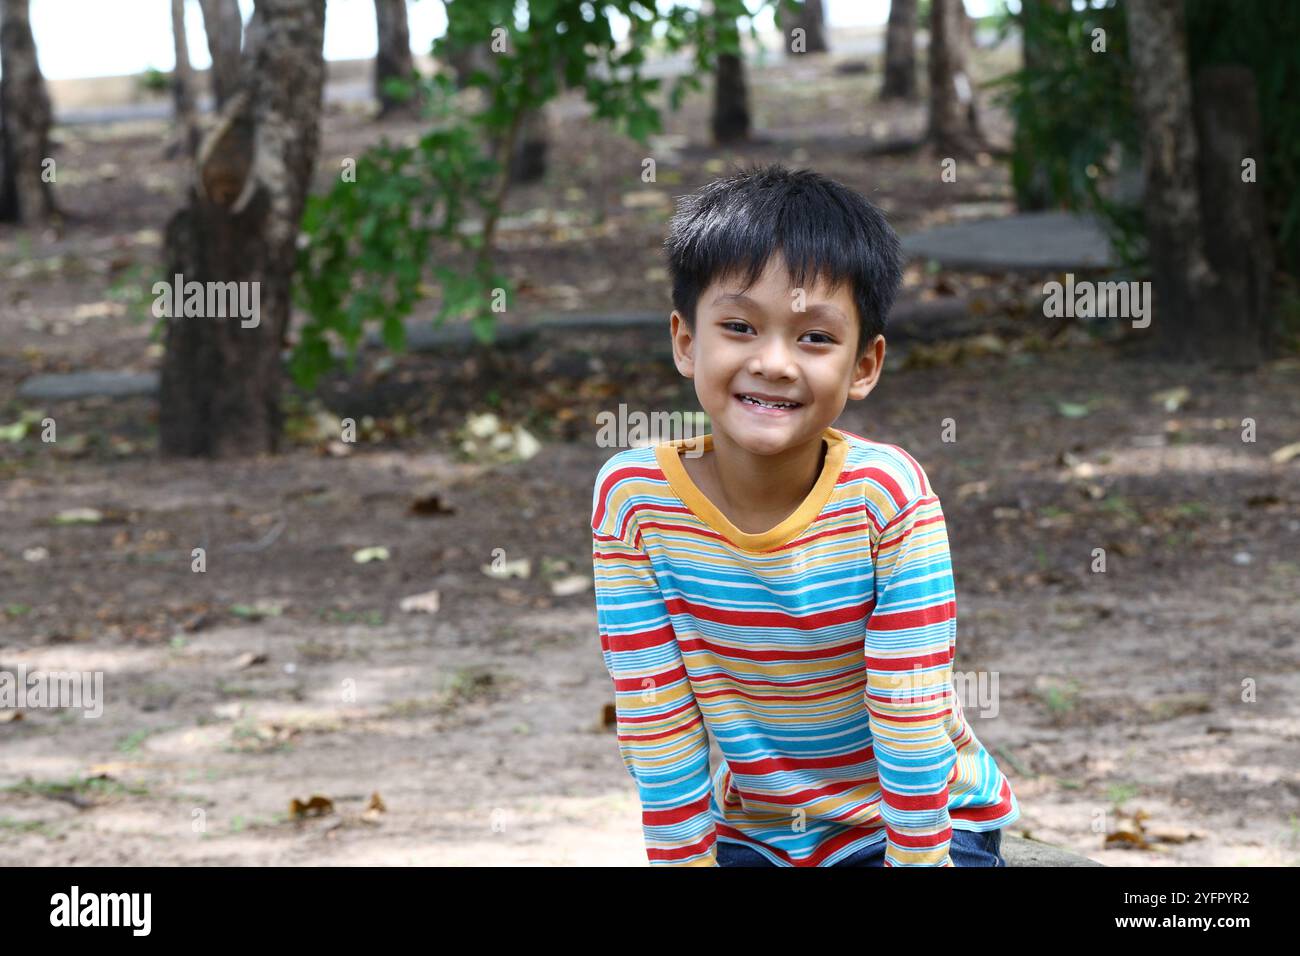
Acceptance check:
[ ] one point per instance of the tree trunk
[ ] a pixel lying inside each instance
(953, 130)
(225, 27)
(1237, 240)
(811, 18)
(394, 58)
(900, 52)
(730, 101)
(25, 117)
(187, 130)
(528, 156)
(1181, 276)
(221, 374)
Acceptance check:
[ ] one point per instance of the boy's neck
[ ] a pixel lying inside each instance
(764, 486)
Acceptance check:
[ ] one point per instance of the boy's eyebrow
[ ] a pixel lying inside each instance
(822, 308)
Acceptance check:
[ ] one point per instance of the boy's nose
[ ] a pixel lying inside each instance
(773, 361)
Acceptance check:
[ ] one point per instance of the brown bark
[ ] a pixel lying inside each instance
(1180, 274)
(1238, 244)
(528, 152)
(187, 130)
(25, 118)
(953, 129)
(224, 26)
(730, 101)
(221, 378)
(393, 59)
(900, 52)
(811, 18)
(730, 118)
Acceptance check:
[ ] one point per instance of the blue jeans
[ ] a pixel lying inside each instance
(967, 848)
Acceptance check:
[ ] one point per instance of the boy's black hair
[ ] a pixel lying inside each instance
(823, 229)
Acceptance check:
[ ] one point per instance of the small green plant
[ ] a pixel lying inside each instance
(131, 743)
(1060, 701)
(374, 618)
(1122, 508)
(153, 80)
(1120, 793)
(102, 786)
(133, 288)
(10, 825)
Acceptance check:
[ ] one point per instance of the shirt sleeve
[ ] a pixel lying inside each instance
(909, 651)
(661, 732)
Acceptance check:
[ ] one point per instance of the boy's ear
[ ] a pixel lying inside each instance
(683, 345)
(867, 371)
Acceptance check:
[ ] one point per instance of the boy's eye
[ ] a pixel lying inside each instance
(741, 327)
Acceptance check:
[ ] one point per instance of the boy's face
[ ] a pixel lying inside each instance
(759, 345)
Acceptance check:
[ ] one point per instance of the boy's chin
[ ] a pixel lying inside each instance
(766, 440)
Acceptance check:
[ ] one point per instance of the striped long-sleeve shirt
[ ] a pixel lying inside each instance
(819, 655)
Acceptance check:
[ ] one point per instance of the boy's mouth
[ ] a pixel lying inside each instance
(767, 404)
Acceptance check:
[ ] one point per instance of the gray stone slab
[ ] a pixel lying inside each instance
(1028, 242)
(88, 385)
(1018, 851)
(423, 336)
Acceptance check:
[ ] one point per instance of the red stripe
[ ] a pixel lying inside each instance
(916, 617)
(765, 765)
(933, 659)
(759, 619)
(773, 698)
(921, 842)
(917, 801)
(674, 815)
(681, 852)
(700, 645)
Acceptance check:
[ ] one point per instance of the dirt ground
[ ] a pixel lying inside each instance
(1155, 702)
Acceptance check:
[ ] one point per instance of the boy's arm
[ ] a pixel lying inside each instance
(909, 676)
(661, 732)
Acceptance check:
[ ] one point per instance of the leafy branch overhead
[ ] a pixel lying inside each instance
(369, 240)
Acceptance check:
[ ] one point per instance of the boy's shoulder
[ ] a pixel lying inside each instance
(627, 474)
(887, 475)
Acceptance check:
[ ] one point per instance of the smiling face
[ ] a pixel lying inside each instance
(769, 377)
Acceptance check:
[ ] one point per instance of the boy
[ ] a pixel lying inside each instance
(789, 588)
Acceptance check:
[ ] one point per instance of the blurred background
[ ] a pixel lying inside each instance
(310, 312)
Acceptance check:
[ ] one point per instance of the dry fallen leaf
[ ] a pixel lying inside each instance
(375, 810)
(430, 505)
(317, 806)
(1172, 398)
(520, 568)
(1286, 453)
(573, 584)
(426, 603)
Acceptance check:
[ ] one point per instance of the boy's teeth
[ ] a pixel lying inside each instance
(758, 401)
